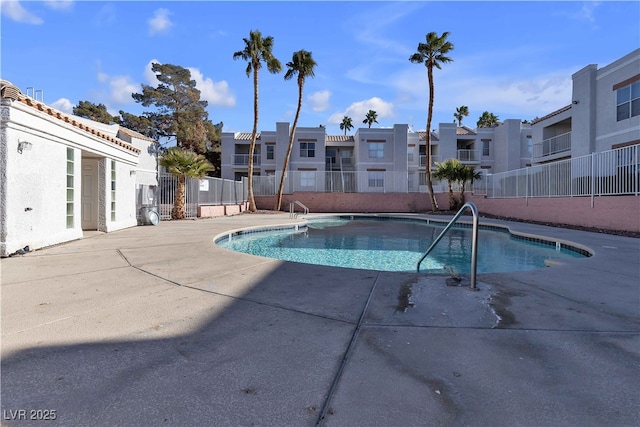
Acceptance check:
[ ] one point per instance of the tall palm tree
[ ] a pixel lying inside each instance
(449, 170)
(371, 118)
(302, 65)
(462, 111)
(433, 53)
(346, 124)
(256, 50)
(182, 164)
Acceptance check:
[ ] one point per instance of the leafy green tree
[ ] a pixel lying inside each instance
(256, 50)
(180, 113)
(488, 120)
(449, 170)
(462, 111)
(346, 124)
(182, 164)
(467, 174)
(432, 53)
(370, 118)
(141, 124)
(95, 112)
(301, 65)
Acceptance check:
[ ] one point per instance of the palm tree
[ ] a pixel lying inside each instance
(488, 120)
(462, 111)
(433, 53)
(449, 170)
(370, 118)
(346, 124)
(302, 65)
(182, 164)
(256, 50)
(467, 174)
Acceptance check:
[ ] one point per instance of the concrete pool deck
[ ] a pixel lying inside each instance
(157, 325)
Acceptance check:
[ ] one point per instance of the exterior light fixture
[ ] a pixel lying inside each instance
(23, 145)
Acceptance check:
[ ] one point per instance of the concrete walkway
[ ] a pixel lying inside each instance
(157, 326)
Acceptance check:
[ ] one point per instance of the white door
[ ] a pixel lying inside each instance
(89, 198)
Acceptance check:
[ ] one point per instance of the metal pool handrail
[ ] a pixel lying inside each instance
(474, 241)
(292, 214)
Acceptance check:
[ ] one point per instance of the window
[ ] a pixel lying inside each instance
(410, 150)
(628, 101)
(271, 149)
(70, 161)
(529, 146)
(307, 179)
(376, 150)
(307, 149)
(376, 179)
(113, 190)
(486, 147)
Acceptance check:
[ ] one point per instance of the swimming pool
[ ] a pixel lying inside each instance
(393, 244)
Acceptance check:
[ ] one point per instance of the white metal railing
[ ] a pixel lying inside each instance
(611, 172)
(548, 147)
(474, 240)
(198, 192)
(434, 159)
(243, 159)
(468, 155)
(292, 208)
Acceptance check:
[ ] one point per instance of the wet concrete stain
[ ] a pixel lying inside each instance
(500, 303)
(404, 298)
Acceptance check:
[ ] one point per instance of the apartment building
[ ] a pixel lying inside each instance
(363, 161)
(604, 113)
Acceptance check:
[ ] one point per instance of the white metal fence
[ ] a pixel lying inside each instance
(198, 192)
(611, 172)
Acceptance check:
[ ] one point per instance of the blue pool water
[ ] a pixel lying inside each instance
(396, 245)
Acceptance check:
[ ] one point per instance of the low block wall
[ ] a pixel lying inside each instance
(356, 202)
(221, 210)
(608, 212)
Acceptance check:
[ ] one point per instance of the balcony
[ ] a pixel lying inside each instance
(243, 159)
(552, 147)
(469, 156)
(434, 159)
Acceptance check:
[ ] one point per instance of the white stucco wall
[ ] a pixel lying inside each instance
(33, 209)
(609, 131)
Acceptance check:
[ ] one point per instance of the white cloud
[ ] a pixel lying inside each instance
(121, 88)
(149, 75)
(586, 12)
(59, 4)
(64, 105)
(160, 23)
(319, 100)
(358, 110)
(14, 11)
(215, 93)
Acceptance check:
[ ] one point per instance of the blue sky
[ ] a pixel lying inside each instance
(514, 59)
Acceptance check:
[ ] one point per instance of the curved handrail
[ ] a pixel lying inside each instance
(292, 214)
(474, 240)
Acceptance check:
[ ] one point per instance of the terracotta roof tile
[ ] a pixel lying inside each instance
(464, 130)
(422, 135)
(561, 110)
(9, 91)
(339, 138)
(244, 136)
